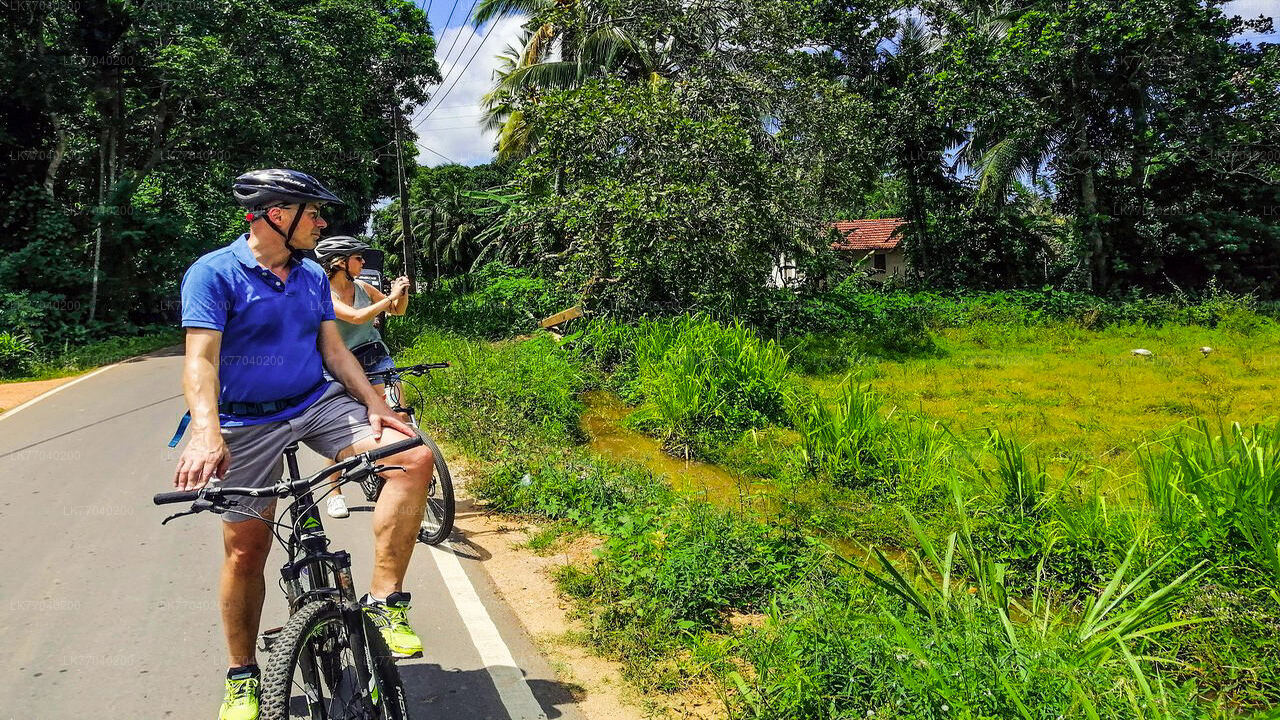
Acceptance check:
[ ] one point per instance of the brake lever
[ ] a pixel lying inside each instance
(379, 469)
(200, 505)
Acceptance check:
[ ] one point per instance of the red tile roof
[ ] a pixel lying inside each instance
(869, 234)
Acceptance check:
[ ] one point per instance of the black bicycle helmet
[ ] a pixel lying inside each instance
(259, 190)
(338, 246)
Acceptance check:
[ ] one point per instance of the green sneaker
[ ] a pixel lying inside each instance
(241, 702)
(390, 619)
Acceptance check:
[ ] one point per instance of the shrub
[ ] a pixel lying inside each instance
(496, 301)
(702, 383)
(592, 493)
(499, 399)
(17, 355)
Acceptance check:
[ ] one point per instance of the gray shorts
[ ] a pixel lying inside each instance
(333, 423)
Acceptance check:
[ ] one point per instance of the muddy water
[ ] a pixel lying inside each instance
(611, 439)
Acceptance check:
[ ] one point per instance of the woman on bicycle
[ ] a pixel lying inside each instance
(356, 303)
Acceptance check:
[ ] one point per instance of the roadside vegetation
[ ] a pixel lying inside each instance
(887, 558)
(22, 360)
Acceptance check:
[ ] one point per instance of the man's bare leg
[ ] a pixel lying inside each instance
(398, 514)
(334, 489)
(243, 588)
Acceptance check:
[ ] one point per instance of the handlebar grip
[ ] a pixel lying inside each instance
(175, 497)
(393, 448)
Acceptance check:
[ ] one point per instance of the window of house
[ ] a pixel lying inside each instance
(878, 262)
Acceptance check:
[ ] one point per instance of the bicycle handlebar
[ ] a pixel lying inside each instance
(287, 488)
(418, 369)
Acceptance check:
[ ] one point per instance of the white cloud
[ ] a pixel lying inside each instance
(1253, 8)
(453, 127)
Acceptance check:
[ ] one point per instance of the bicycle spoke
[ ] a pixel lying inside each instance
(338, 692)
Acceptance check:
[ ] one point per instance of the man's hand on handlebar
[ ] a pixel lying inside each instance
(206, 456)
(353, 469)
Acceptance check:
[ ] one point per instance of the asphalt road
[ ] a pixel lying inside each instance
(103, 612)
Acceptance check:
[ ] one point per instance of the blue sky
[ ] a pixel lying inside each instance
(448, 127)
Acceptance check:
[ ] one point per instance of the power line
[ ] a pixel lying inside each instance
(492, 27)
(455, 37)
(453, 69)
(472, 126)
(450, 107)
(435, 152)
(446, 22)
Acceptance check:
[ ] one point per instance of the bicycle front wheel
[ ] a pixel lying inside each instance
(316, 671)
(437, 516)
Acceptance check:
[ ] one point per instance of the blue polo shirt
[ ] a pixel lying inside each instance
(269, 327)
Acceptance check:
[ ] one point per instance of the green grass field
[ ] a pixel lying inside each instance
(1080, 396)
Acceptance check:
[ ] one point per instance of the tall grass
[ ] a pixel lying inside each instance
(1224, 487)
(500, 400)
(955, 644)
(1021, 482)
(701, 383)
(1026, 594)
(839, 441)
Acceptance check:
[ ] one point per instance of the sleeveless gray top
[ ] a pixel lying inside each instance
(357, 335)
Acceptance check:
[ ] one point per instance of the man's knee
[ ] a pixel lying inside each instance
(418, 463)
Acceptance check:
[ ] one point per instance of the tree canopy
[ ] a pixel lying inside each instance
(125, 123)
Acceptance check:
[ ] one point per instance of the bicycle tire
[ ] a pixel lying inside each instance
(321, 621)
(437, 520)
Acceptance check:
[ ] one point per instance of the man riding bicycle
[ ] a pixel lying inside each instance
(260, 333)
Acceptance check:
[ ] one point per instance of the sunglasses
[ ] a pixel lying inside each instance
(358, 257)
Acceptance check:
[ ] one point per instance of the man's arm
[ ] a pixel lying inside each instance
(206, 455)
(344, 366)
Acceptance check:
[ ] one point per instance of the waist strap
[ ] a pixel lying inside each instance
(252, 410)
(271, 407)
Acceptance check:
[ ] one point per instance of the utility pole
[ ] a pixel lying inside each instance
(408, 247)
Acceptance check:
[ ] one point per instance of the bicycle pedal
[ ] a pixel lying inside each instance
(268, 638)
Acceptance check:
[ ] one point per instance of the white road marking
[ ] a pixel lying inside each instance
(494, 653)
(47, 393)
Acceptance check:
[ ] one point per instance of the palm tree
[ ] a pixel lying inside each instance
(596, 45)
(1003, 149)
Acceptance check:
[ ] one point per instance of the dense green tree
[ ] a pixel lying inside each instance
(1100, 96)
(129, 121)
(451, 213)
(640, 199)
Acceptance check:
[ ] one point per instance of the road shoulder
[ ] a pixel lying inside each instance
(14, 394)
(523, 579)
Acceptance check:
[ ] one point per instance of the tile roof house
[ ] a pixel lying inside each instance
(877, 241)
(875, 244)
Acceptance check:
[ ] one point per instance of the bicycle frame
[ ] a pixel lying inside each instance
(308, 550)
(311, 572)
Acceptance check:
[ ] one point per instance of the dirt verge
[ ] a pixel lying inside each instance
(14, 394)
(524, 580)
